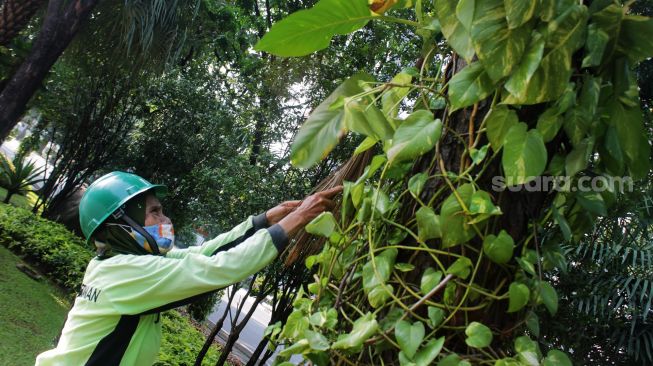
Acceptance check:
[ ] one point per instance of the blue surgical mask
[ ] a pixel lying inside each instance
(163, 234)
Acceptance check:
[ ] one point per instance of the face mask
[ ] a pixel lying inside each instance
(163, 234)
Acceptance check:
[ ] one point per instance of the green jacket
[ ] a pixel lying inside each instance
(115, 318)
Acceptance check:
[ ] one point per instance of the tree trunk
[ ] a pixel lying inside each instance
(62, 22)
(14, 16)
(8, 197)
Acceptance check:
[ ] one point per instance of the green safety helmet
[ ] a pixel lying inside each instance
(108, 194)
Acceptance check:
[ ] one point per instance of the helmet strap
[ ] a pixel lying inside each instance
(121, 215)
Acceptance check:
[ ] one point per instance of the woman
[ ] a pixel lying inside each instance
(138, 273)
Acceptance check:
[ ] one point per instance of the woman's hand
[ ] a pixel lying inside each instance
(275, 214)
(309, 209)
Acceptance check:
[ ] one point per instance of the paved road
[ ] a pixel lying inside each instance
(253, 331)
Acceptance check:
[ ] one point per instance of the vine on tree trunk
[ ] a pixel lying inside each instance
(517, 119)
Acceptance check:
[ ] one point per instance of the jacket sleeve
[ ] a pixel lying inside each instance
(142, 283)
(227, 240)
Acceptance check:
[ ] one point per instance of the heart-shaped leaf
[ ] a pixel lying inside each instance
(478, 335)
(499, 248)
(415, 136)
(518, 296)
(409, 336)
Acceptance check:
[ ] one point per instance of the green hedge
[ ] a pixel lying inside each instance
(60, 254)
(63, 257)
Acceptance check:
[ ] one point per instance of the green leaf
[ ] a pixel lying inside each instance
(415, 136)
(316, 341)
(430, 279)
(518, 82)
(379, 295)
(526, 265)
(528, 352)
(481, 203)
(452, 217)
(478, 335)
(416, 184)
(562, 222)
(392, 97)
(518, 296)
(367, 144)
(597, 39)
(465, 12)
(478, 155)
(635, 39)
(295, 326)
(323, 225)
(428, 223)
(549, 124)
(533, 323)
(436, 316)
(453, 30)
(629, 125)
(579, 157)
(548, 296)
(498, 47)
(519, 12)
(364, 327)
(452, 360)
(498, 121)
(461, 267)
(384, 263)
(556, 358)
(429, 352)
(404, 267)
(321, 131)
(592, 201)
(363, 117)
(409, 336)
(507, 362)
(310, 30)
(499, 248)
(524, 155)
(565, 35)
(297, 348)
(472, 84)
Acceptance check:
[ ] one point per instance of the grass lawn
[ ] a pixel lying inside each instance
(31, 312)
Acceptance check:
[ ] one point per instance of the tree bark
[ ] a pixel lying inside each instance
(14, 16)
(61, 24)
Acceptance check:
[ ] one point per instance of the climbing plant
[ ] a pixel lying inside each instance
(437, 254)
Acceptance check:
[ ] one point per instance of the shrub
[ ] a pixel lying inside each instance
(60, 254)
(181, 342)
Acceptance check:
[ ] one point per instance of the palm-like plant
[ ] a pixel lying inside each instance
(18, 176)
(608, 291)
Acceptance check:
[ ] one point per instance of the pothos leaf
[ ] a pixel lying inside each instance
(564, 36)
(499, 248)
(453, 29)
(323, 128)
(498, 46)
(364, 327)
(470, 85)
(498, 121)
(428, 223)
(478, 335)
(518, 296)
(310, 30)
(409, 336)
(323, 225)
(452, 217)
(524, 155)
(415, 136)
